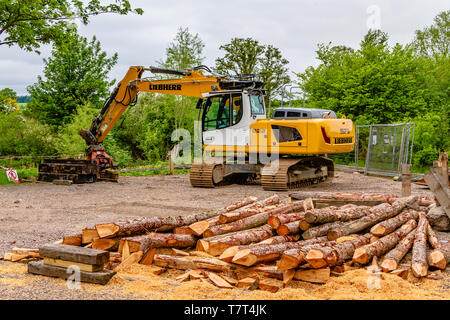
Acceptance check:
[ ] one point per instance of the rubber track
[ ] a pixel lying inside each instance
(201, 175)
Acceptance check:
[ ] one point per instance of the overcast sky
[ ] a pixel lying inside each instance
(294, 26)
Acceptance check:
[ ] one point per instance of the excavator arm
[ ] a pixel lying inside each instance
(193, 83)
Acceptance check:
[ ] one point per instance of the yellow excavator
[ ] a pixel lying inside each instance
(282, 153)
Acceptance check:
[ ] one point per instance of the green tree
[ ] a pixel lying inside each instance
(75, 74)
(434, 41)
(184, 52)
(379, 83)
(248, 56)
(8, 100)
(31, 23)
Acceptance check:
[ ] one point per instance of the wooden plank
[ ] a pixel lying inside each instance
(39, 268)
(74, 254)
(66, 264)
(313, 275)
(436, 183)
(218, 281)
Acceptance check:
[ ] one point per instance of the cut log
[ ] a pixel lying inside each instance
(241, 203)
(292, 258)
(337, 254)
(39, 268)
(438, 219)
(321, 230)
(157, 240)
(419, 266)
(72, 240)
(290, 228)
(332, 214)
(66, 264)
(190, 263)
(229, 253)
(198, 228)
(218, 245)
(106, 244)
(264, 253)
(288, 275)
(314, 275)
(392, 259)
(249, 210)
(377, 214)
(269, 271)
(363, 254)
(218, 281)
(387, 226)
(183, 230)
(75, 254)
(270, 285)
(440, 256)
(277, 220)
(146, 224)
(88, 235)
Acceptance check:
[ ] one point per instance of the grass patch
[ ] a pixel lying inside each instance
(26, 173)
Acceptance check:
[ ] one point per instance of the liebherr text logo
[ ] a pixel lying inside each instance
(165, 87)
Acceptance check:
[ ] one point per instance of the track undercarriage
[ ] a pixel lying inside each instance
(280, 175)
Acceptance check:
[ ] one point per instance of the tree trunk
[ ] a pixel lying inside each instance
(321, 230)
(245, 223)
(146, 224)
(336, 254)
(241, 204)
(381, 246)
(332, 214)
(264, 253)
(377, 214)
(419, 265)
(392, 258)
(387, 226)
(218, 246)
(292, 258)
(229, 253)
(249, 210)
(157, 240)
(438, 219)
(440, 256)
(277, 220)
(292, 227)
(190, 263)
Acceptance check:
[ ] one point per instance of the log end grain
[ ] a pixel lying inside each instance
(360, 256)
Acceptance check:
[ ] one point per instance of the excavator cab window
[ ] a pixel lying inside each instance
(216, 114)
(237, 109)
(257, 104)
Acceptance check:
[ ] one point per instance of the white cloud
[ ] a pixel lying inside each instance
(294, 26)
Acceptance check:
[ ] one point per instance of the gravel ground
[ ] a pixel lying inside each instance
(35, 214)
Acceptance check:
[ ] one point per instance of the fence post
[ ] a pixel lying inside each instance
(402, 145)
(10, 162)
(356, 147)
(406, 180)
(443, 159)
(171, 169)
(369, 148)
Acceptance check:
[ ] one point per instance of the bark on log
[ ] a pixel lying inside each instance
(377, 214)
(218, 246)
(392, 258)
(277, 220)
(157, 240)
(289, 228)
(381, 246)
(246, 223)
(330, 214)
(248, 210)
(336, 254)
(292, 258)
(321, 230)
(440, 256)
(387, 226)
(190, 263)
(419, 265)
(229, 253)
(264, 253)
(438, 219)
(146, 224)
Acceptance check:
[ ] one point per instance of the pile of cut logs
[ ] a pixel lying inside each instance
(307, 237)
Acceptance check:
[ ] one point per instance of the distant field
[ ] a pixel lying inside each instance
(22, 105)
